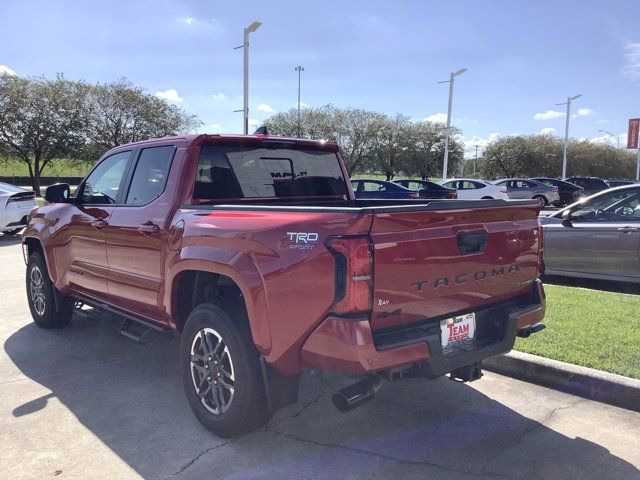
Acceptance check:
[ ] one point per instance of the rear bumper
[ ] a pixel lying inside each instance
(348, 345)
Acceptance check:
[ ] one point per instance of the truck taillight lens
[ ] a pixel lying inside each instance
(353, 257)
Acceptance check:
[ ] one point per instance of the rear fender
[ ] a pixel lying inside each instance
(234, 264)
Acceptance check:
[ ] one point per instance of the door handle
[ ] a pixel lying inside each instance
(627, 229)
(148, 229)
(99, 224)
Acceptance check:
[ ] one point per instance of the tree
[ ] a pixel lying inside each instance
(425, 156)
(41, 120)
(122, 113)
(353, 129)
(391, 146)
(541, 155)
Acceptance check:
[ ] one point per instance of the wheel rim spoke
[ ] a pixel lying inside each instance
(222, 381)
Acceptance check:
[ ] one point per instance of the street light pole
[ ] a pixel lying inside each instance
(245, 45)
(612, 136)
(566, 134)
(475, 161)
(448, 131)
(299, 69)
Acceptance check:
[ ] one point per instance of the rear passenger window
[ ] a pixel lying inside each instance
(373, 187)
(150, 176)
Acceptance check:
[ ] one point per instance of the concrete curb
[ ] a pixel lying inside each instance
(581, 381)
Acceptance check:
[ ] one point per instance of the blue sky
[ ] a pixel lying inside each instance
(523, 57)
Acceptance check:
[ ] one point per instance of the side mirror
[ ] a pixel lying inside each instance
(566, 218)
(58, 193)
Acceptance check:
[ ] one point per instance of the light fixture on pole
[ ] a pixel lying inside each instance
(299, 69)
(475, 161)
(566, 133)
(448, 131)
(250, 29)
(612, 136)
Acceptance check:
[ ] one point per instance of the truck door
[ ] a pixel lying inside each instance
(81, 246)
(137, 241)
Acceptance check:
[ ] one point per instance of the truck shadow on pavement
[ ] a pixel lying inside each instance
(130, 397)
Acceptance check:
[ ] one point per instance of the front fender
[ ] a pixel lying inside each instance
(38, 229)
(237, 265)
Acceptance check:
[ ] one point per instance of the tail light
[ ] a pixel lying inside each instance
(353, 257)
(554, 189)
(504, 190)
(540, 249)
(413, 195)
(454, 194)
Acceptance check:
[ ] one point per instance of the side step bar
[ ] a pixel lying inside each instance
(132, 327)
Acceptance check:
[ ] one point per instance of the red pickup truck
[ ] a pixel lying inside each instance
(255, 250)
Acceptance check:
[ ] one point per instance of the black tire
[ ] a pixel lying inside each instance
(47, 310)
(565, 200)
(487, 198)
(13, 232)
(542, 201)
(246, 409)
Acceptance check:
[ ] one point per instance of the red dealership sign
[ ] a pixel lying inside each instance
(632, 135)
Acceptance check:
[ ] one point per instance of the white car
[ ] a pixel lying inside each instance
(472, 189)
(15, 205)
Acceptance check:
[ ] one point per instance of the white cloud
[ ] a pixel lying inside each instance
(548, 131)
(631, 68)
(611, 140)
(263, 107)
(215, 127)
(303, 105)
(482, 143)
(585, 112)
(170, 94)
(186, 20)
(219, 96)
(548, 115)
(436, 118)
(253, 122)
(6, 70)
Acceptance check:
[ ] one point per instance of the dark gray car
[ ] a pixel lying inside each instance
(597, 237)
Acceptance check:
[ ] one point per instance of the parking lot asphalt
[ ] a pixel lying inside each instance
(84, 402)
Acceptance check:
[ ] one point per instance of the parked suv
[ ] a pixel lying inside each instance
(591, 185)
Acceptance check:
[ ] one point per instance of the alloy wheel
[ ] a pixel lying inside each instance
(212, 371)
(36, 289)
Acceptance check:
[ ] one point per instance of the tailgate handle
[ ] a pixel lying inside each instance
(472, 242)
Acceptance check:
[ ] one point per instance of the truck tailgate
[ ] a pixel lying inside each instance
(438, 263)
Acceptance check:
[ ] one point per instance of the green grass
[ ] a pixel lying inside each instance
(591, 328)
(64, 167)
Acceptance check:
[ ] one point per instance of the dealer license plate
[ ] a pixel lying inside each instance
(457, 329)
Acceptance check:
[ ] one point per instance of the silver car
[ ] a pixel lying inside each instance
(597, 237)
(522, 188)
